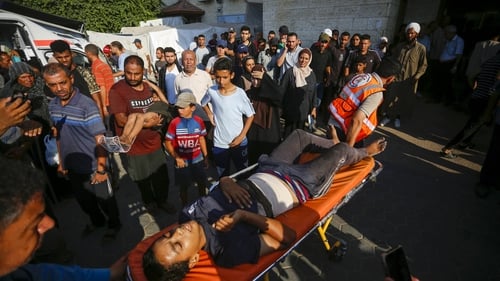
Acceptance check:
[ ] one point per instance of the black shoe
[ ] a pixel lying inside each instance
(167, 207)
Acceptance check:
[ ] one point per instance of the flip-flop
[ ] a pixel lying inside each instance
(112, 144)
(448, 155)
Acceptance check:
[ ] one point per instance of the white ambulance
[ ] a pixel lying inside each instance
(31, 36)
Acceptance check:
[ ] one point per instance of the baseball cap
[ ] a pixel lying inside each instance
(222, 43)
(384, 39)
(328, 31)
(231, 29)
(185, 99)
(242, 49)
(107, 49)
(137, 40)
(324, 37)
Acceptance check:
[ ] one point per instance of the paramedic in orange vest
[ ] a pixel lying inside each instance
(354, 113)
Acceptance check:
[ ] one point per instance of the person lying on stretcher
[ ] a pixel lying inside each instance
(234, 223)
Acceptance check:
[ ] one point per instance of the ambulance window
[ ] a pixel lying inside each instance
(80, 59)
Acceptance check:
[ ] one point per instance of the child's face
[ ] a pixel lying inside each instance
(186, 112)
(360, 67)
(223, 78)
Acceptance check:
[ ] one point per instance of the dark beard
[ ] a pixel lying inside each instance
(133, 83)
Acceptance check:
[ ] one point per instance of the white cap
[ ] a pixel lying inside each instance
(328, 32)
(384, 39)
(414, 25)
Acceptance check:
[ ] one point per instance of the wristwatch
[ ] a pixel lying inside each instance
(103, 172)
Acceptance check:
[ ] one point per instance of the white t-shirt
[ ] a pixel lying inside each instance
(228, 114)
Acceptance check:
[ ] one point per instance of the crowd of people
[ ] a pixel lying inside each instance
(225, 103)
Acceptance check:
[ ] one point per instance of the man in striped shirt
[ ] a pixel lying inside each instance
(78, 127)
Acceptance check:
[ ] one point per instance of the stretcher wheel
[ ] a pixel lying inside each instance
(338, 250)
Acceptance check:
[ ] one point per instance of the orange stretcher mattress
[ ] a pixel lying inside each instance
(303, 219)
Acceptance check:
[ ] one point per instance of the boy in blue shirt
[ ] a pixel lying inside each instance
(185, 142)
(229, 105)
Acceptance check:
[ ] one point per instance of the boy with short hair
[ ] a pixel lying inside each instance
(229, 105)
(185, 142)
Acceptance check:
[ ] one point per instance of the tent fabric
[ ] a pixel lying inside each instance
(153, 37)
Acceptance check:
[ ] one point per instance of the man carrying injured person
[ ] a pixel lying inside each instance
(234, 222)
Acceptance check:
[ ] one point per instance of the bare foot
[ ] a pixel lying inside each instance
(376, 147)
(125, 140)
(333, 133)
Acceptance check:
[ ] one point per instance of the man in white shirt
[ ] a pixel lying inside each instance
(144, 55)
(289, 54)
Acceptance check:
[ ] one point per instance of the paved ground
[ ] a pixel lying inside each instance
(420, 200)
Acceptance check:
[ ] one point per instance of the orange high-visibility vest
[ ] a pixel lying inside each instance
(353, 94)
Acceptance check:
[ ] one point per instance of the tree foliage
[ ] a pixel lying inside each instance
(99, 15)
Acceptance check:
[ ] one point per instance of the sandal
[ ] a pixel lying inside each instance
(112, 144)
(448, 155)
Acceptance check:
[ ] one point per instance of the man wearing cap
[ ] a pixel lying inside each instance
(290, 54)
(144, 55)
(221, 48)
(241, 52)
(232, 43)
(400, 97)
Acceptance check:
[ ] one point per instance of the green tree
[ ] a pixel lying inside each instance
(99, 15)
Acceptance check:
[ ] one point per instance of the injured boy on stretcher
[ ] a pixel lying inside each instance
(234, 222)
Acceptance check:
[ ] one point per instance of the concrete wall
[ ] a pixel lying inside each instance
(309, 18)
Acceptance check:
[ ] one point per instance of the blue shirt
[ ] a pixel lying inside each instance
(228, 249)
(452, 49)
(51, 272)
(77, 123)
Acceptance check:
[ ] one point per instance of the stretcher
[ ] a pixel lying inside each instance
(314, 215)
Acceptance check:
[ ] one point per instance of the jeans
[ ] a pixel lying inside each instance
(316, 175)
(224, 156)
